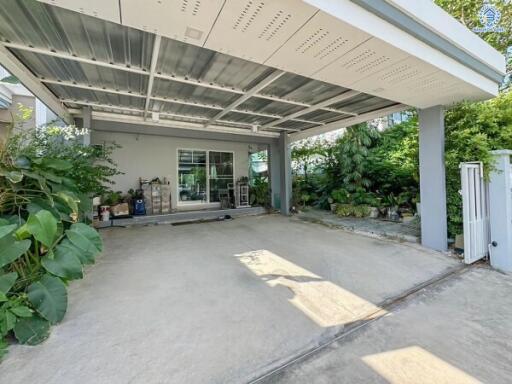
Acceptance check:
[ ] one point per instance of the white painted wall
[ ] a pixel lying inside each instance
(150, 156)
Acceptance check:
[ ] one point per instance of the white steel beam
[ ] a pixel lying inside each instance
(248, 94)
(92, 88)
(281, 100)
(336, 99)
(173, 78)
(141, 111)
(348, 122)
(198, 83)
(33, 84)
(300, 104)
(165, 100)
(152, 70)
(68, 56)
(105, 116)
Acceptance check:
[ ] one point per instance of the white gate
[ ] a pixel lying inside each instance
(475, 202)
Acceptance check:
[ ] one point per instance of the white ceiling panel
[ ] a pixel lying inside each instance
(254, 29)
(393, 80)
(361, 62)
(439, 88)
(104, 9)
(453, 94)
(320, 42)
(184, 20)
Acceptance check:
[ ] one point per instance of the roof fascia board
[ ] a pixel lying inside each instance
(408, 24)
(441, 22)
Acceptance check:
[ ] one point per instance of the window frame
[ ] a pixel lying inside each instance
(207, 163)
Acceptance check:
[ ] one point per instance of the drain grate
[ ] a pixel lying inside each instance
(202, 221)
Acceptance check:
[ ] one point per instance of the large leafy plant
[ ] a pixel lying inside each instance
(44, 242)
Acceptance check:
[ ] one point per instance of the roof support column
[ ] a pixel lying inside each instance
(85, 122)
(280, 159)
(274, 163)
(285, 168)
(432, 179)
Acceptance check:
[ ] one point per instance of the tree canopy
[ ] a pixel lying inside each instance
(466, 11)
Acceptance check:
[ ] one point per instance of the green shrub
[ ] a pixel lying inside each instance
(349, 210)
(361, 211)
(340, 196)
(344, 210)
(472, 131)
(44, 243)
(259, 192)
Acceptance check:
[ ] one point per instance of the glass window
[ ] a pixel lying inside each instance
(221, 174)
(196, 168)
(192, 176)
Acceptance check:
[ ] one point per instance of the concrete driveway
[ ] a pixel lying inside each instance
(225, 302)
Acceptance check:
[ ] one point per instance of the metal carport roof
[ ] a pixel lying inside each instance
(257, 67)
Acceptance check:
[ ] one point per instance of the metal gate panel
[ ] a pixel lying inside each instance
(475, 203)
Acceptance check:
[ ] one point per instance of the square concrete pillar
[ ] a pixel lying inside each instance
(434, 231)
(275, 175)
(500, 215)
(87, 121)
(281, 174)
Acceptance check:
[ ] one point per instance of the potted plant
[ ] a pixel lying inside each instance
(114, 205)
(391, 204)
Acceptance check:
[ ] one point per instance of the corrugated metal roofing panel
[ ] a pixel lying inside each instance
(321, 116)
(173, 90)
(296, 125)
(247, 119)
(179, 109)
(54, 68)
(185, 60)
(374, 106)
(107, 109)
(362, 103)
(300, 88)
(44, 26)
(49, 29)
(257, 104)
(97, 97)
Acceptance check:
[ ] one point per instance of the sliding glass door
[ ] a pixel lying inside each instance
(192, 176)
(221, 174)
(204, 176)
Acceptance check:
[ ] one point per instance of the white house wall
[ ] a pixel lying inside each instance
(149, 156)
